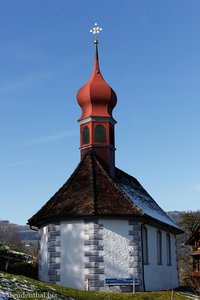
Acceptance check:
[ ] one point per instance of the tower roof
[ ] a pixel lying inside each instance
(91, 192)
(96, 97)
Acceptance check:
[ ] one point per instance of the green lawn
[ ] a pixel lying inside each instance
(17, 285)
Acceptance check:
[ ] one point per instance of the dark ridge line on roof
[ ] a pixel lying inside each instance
(113, 181)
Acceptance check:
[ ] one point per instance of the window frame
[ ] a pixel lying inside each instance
(85, 135)
(159, 247)
(145, 246)
(168, 249)
(100, 133)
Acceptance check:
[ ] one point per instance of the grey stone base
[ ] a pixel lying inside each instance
(54, 244)
(93, 258)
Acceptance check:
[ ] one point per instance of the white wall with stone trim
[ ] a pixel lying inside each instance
(160, 277)
(121, 250)
(43, 254)
(77, 252)
(116, 243)
(72, 254)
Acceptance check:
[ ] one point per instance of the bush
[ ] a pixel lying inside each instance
(23, 268)
(195, 283)
(5, 261)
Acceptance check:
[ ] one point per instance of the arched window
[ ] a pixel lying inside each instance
(85, 135)
(100, 134)
(112, 137)
(145, 246)
(159, 247)
(168, 245)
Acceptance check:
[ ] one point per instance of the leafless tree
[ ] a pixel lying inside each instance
(9, 235)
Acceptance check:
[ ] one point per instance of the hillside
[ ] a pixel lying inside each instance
(16, 287)
(24, 232)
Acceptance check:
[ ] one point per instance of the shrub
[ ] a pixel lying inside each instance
(195, 283)
(23, 268)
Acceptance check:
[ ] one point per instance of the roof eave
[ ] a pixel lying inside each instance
(145, 219)
(162, 225)
(46, 221)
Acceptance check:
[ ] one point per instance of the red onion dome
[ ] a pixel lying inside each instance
(96, 97)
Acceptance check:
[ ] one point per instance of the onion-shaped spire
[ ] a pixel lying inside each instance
(96, 97)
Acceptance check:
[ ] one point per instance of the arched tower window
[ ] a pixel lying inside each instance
(100, 134)
(168, 245)
(112, 136)
(145, 246)
(85, 135)
(159, 247)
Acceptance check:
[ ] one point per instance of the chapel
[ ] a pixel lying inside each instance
(102, 230)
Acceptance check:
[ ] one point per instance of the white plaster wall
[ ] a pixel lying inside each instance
(72, 254)
(116, 248)
(43, 254)
(160, 277)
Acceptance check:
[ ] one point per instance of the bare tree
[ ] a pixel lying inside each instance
(188, 221)
(9, 235)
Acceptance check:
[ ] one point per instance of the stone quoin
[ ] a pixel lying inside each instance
(101, 230)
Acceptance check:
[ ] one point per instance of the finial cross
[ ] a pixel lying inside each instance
(96, 30)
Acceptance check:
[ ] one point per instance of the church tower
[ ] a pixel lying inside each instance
(97, 100)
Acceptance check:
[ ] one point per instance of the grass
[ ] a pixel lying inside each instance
(16, 285)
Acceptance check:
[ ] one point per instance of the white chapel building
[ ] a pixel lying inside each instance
(101, 230)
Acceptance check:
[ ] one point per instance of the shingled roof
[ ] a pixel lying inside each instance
(90, 192)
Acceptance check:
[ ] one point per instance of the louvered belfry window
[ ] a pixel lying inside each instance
(100, 134)
(86, 135)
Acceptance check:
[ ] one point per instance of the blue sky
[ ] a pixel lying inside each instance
(149, 54)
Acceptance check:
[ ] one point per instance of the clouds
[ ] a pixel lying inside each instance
(50, 138)
(21, 82)
(18, 163)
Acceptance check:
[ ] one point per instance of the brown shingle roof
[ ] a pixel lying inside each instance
(90, 191)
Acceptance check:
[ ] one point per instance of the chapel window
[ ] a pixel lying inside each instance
(100, 134)
(168, 244)
(85, 135)
(159, 247)
(145, 245)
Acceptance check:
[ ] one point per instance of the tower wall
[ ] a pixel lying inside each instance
(100, 142)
